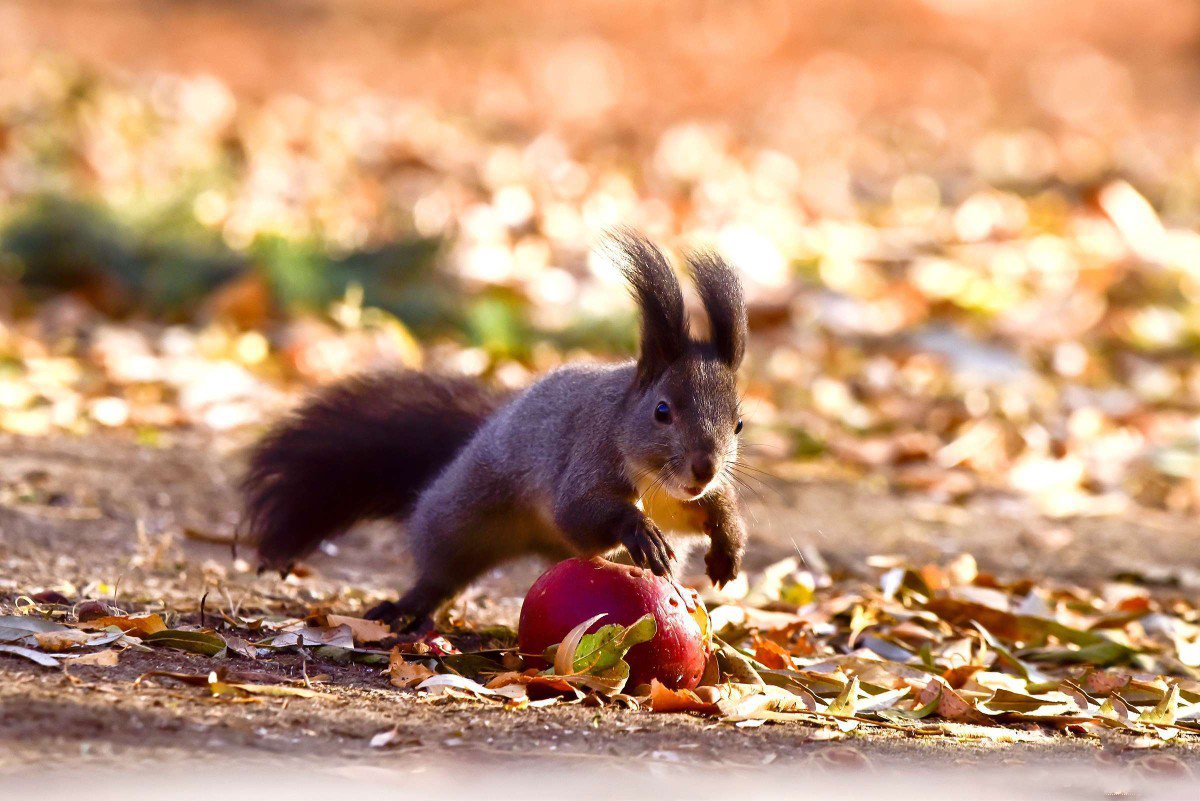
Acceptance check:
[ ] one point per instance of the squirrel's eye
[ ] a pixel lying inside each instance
(662, 412)
(738, 428)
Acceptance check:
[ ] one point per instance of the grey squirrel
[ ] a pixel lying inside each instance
(586, 460)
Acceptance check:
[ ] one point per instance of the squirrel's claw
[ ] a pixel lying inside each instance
(648, 548)
(721, 567)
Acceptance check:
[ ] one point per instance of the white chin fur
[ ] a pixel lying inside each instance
(679, 493)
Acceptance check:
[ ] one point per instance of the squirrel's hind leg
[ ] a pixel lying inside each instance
(454, 536)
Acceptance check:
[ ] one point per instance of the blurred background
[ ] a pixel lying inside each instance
(967, 227)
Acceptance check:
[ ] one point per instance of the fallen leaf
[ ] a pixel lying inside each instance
(363, 630)
(62, 640)
(664, 699)
(950, 705)
(109, 657)
(882, 701)
(846, 706)
(772, 654)
(337, 636)
(538, 686)
(596, 661)
(196, 642)
(406, 674)
(736, 665)
(563, 657)
(1050, 704)
(1164, 713)
(45, 660)
(139, 626)
(23, 629)
(240, 646)
(447, 682)
(17, 636)
(29, 623)
(277, 690)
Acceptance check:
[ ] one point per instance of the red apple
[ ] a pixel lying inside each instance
(578, 589)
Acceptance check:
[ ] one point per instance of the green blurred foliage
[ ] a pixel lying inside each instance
(164, 265)
(53, 245)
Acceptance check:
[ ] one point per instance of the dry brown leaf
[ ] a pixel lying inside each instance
(1105, 682)
(951, 705)
(537, 686)
(409, 674)
(365, 631)
(275, 690)
(663, 699)
(139, 626)
(772, 654)
(61, 640)
(405, 674)
(106, 658)
(957, 677)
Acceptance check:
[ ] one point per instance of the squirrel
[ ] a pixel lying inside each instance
(589, 458)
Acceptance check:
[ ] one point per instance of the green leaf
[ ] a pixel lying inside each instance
(196, 642)
(601, 651)
(597, 660)
(611, 681)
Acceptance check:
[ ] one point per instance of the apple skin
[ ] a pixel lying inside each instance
(577, 589)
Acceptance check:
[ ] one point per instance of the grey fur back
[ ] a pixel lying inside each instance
(560, 430)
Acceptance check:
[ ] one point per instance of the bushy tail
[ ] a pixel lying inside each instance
(360, 449)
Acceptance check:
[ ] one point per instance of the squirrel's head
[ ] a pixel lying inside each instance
(682, 430)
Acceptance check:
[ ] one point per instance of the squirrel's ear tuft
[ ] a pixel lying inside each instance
(721, 292)
(656, 289)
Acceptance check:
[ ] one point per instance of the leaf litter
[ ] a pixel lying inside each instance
(943, 650)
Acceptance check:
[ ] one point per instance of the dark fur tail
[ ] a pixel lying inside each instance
(360, 449)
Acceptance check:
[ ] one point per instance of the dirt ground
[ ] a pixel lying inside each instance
(103, 515)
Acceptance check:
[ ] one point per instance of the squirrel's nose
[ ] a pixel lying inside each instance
(704, 467)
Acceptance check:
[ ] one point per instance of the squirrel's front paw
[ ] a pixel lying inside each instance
(722, 566)
(648, 547)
